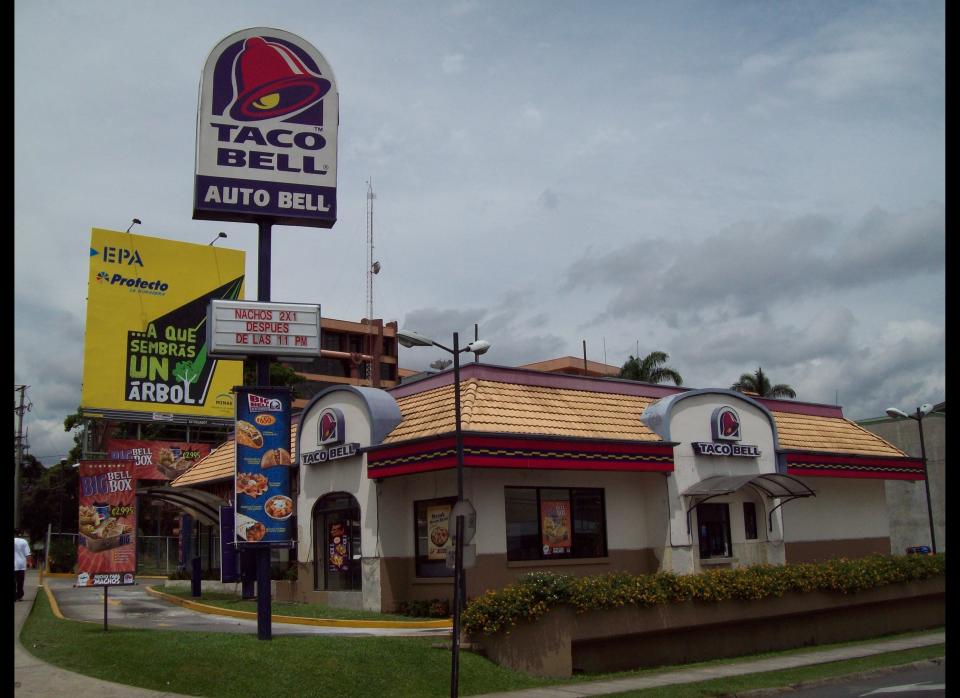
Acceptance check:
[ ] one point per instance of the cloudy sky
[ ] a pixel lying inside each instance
(738, 184)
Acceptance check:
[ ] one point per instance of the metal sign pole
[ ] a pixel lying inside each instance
(105, 590)
(264, 628)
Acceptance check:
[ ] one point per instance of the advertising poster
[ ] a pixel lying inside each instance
(106, 546)
(156, 460)
(555, 516)
(267, 132)
(145, 348)
(438, 532)
(338, 548)
(264, 506)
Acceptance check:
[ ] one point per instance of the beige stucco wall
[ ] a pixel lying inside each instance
(844, 509)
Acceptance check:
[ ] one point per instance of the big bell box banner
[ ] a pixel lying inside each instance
(264, 507)
(156, 460)
(267, 132)
(145, 350)
(107, 545)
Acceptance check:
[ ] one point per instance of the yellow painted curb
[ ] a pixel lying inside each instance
(55, 607)
(299, 620)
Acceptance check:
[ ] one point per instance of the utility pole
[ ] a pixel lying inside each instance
(24, 406)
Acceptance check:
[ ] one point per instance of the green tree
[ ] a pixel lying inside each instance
(50, 496)
(759, 383)
(650, 369)
(280, 375)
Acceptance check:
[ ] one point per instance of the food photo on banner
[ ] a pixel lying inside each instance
(338, 548)
(156, 460)
(438, 532)
(107, 545)
(556, 527)
(264, 506)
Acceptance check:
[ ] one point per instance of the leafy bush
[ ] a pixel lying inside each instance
(434, 608)
(532, 595)
(63, 555)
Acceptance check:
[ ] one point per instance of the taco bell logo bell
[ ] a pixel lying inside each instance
(267, 132)
(725, 430)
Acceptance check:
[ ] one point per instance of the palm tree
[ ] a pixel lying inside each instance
(650, 369)
(759, 383)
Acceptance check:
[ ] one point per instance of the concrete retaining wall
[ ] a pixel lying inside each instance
(563, 642)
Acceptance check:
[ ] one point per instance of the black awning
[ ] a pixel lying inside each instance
(201, 505)
(772, 485)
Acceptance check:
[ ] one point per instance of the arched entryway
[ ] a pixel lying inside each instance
(336, 543)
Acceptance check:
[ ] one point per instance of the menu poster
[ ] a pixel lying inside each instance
(338, 548)
(107, 545)
(264, 507)
(157, 460)
(439, 537)
(555, 516)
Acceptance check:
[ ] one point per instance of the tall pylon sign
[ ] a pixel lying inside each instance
(267, 132)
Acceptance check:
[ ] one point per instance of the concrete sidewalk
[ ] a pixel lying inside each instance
(34, 678)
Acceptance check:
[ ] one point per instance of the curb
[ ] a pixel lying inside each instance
(300, 620)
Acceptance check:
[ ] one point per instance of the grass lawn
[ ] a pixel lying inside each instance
(304, 610)
(229, 665)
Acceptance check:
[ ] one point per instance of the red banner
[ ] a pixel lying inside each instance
(555, 516)
(156, 460)
(107, 545)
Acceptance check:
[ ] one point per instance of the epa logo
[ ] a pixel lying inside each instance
(103, 276)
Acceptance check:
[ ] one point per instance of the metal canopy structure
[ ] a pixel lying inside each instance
(771, 485)
(202, 506)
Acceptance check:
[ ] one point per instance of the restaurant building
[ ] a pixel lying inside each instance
(571, 474)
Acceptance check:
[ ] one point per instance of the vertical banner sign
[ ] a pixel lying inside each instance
(156, 460)
(106, 546)
(262, 476)
(267, 132)
(145, 350)
(438, 531)
(556, 527)
(338, 548)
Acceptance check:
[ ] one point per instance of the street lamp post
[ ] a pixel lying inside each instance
(477, 347)
(921, 412)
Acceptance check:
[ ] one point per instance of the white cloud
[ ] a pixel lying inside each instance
(452, 64)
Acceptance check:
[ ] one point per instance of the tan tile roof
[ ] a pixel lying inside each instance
(219, 463)
(830, 434)
(523, 409)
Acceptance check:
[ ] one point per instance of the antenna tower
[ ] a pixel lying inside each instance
(370, 197)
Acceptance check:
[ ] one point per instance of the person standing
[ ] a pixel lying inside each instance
(21, 554)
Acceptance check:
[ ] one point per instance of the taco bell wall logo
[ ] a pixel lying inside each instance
(725, 430)
(267, 132)
(330, 439)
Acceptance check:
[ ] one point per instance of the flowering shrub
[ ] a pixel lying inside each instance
(534, 594)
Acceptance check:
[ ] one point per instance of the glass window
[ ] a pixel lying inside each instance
(713, 521)
(434, 536)
(749, 520)
(554, 523)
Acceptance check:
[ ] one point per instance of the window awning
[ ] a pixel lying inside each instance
(772, 485)
(203, 506)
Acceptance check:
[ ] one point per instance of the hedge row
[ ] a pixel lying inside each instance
(534, 594)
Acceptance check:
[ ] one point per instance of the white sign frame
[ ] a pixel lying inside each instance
(264, 325)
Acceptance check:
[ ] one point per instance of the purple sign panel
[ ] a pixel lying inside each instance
(267, 132)
(264, 507)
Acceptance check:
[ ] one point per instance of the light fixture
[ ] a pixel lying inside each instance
(135, 221)
(477, 346)
(221, 234)
(918, 416)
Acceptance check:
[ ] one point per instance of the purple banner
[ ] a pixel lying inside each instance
(247, 199)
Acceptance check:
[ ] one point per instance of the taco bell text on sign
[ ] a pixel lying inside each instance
(267, 132)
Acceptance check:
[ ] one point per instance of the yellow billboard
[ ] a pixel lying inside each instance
(145, 350)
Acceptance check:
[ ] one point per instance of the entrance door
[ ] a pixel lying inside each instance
(713, 522)
(336, 541)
